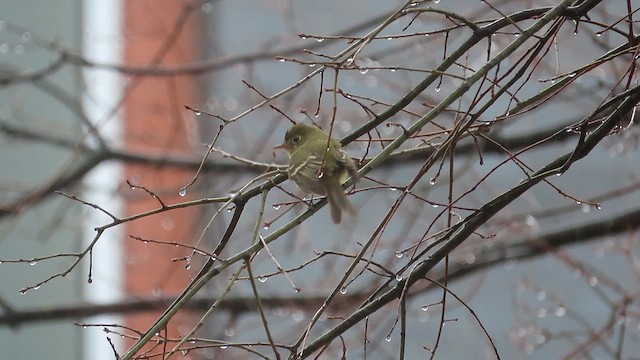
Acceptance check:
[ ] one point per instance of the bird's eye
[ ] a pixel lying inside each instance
(296, 139)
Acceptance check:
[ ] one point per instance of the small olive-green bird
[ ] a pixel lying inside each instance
(319, 165)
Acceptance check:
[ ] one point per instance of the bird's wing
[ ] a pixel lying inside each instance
(345, 160)
(306, 174)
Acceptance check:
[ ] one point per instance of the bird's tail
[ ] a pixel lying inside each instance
(338, 202)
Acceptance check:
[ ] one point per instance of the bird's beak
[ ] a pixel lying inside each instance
(281, 146)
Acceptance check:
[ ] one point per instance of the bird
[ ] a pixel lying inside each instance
(319, 165)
